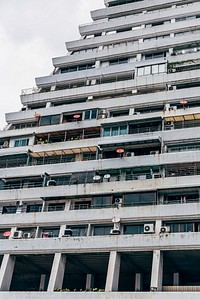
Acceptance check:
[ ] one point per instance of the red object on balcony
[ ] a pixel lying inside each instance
(183, 102)
(76, 116)
(37, 115)
(7, 234)
(120, 150)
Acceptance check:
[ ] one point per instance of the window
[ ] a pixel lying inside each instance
(151, 69)
(50, 120)
(9, 210)
(78, 68)
(181, 227)
(50, 232)
(79, 231)
(21, 142)
(119, 113)
(114, 131)
(137, 199)
(106, 132)
(118, 61)
(102, 230)
(90, 114)
(133, 229)
(155, 55)
(34, 208)
(101, 201)
(56, 207)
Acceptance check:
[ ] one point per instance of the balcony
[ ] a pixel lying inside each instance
(107, 176)
(71, 135)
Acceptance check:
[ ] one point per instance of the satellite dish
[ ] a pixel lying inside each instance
(107, 176)
(116, 219)
(96, 178)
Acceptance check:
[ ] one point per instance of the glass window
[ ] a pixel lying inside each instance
(161, 68)
(133, 229)
(91, 114)
(140, 71)
(50, 120)
(147, 70)
(50, 232)
(114, 131)
(122, 130)
(21, 142)
(34, 208)
(155, 69)
(94, 114)
(87, 114)
(45, 120)
(102, 230)
(9, 210)
(101, 201)
(55, 119)
(106, 132)
(79, 231)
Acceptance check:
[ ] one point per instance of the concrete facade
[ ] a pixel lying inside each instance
(100, 170)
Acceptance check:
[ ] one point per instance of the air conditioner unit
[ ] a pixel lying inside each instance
(118, 201)
(169, 125)
(149, 228)
(115, 232)
(165, 229)
(172, 70)
(154, 152)
(67, 232)
(27, 235)
(130, 154)
(102, 113)
(18, 234)
(51, 183)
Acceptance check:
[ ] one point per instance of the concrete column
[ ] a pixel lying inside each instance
(158, 226)
(57, 272)
(42, 282)
(67, 205)
(13, 229)
(6, 272)
(157, 271)
(138, 282)
(89, 230)
(89, 281)
(62, 230)
(176, 278)
(112, 279)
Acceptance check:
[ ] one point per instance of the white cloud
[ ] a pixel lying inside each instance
(31, 33)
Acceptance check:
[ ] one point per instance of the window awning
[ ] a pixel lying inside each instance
(176, 118)
(61, 152)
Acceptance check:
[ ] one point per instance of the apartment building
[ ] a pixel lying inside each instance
(100, 170)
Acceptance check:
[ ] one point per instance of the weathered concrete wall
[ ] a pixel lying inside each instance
(96, 295)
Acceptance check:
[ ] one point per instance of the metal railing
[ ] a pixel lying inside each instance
(13, 163)
(54, 208)
(133, 130)
(180, 201)
(88, 178)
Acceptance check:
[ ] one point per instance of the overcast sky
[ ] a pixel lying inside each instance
(32, 32)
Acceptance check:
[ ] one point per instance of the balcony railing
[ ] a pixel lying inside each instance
(89, 177)
(13, 163)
